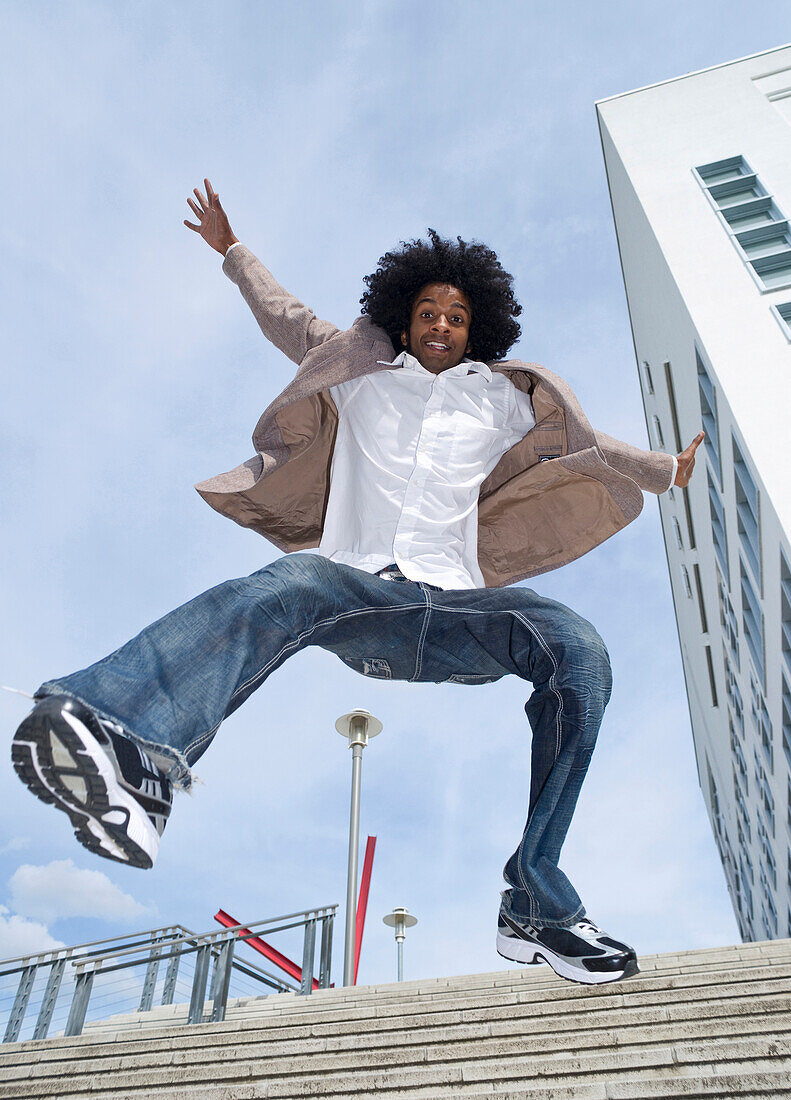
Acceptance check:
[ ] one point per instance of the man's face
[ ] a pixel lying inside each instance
(439, 327)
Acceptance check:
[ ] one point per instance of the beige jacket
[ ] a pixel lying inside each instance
(556, 494)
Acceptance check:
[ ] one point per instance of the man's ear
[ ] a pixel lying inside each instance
(405, 339)
(468, 349)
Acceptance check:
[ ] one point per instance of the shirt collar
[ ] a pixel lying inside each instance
(465, 367)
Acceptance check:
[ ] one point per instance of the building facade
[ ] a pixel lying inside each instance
(699, 172)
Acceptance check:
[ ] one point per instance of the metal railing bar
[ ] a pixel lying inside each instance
(222, 981)
(47, 957)
(198, 999)
(216, 937)
(47, 1007)
(68, 954)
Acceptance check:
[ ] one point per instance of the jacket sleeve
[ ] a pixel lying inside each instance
(654, 471)
(291, 326)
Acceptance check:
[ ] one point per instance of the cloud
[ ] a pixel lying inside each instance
(15, 844)
(19, 936)
(62, 890)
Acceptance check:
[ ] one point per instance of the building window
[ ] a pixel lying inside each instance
(745, 882)
(733, 693)
(671, 396)
(708, 414)
(754, 221)
(769, 917)
(747, 514)
(728, 620)
(763, 725)
(743, 819)
(712, 681)
(677, 532)
(660, 439)
(787, 725)
(752, 621)
(739, 763)
(686, 581)
(769, 867)
(704, 626)
(783, 314)
(649, 382)
(765, 798)
(785, 608)
(718, 524)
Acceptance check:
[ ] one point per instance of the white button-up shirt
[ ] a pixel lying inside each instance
(411, 451)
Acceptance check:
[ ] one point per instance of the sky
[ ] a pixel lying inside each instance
(133, 369)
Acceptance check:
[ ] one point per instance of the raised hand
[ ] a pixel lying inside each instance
(686, 461)
(213, 223)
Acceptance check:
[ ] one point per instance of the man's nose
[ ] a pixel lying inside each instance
(441, 323)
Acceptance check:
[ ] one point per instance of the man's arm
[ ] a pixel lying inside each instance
(654, 471)
(288, 323)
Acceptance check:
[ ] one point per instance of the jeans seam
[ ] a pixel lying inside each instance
(291, 645)
(422, 638)
(550, 682)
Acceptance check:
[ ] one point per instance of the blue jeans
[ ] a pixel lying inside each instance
(172, 685)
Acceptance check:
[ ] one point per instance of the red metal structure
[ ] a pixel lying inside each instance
(283, 961)
(266, 949)
(362, 904)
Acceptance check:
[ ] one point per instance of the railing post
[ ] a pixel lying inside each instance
(222, 981)
(79, 1002)
(308, 954)
(325, 951)
(169, 988)
(24, 988)
(49, 999)
(150, 980)
(199, 984)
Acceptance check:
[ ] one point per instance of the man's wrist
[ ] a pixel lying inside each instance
(228, 247)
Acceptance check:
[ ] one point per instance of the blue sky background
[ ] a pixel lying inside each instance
(132, 369)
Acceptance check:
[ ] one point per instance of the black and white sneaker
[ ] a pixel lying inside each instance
(116, 798)
(581, 953)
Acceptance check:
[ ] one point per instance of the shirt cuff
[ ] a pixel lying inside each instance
(673, 476)
(235, 243)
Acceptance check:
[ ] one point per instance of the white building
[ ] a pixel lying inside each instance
(699, 171)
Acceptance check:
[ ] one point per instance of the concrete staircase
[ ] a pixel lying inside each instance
(711, 1023)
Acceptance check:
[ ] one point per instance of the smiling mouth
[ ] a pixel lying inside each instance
(436, 347)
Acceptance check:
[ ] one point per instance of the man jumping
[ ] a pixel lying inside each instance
(426, 483)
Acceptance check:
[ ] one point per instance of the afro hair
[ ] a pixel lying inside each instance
(472, 267)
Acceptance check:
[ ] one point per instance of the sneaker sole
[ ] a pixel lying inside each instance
(521, 951)
(53, 753)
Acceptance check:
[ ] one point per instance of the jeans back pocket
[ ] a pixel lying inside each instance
(376, 667)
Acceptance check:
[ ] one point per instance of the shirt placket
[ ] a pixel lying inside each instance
(427, 456)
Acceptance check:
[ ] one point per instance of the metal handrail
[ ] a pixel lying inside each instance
(219, 933)
(50, 956)
(168, 944)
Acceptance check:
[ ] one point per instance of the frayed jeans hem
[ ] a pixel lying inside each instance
(172, 762)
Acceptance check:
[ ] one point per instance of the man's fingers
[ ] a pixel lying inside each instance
(189, 225)
(201, 199)
(195, 209)
(211, 194)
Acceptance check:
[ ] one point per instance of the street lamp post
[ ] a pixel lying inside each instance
(400, 919)
(357, 726)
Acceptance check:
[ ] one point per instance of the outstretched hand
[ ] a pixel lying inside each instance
(686, 461)
(213, 221)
